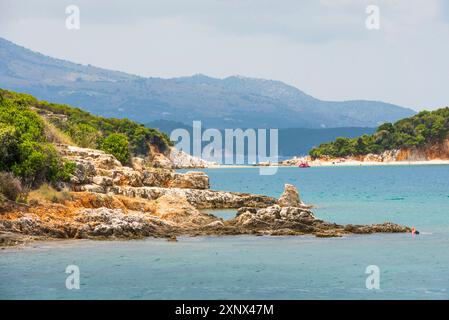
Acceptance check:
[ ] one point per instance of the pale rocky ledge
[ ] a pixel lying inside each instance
(109, 200)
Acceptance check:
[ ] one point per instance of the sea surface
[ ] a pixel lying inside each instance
(251, 267)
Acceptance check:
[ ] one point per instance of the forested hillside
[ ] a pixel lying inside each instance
(426, 127)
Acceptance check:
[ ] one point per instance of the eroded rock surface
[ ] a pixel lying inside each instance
(181, 160)
(290, 197)
(101, 169)
(109, 200)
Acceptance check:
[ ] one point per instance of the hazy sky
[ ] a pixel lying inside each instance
(320, 46)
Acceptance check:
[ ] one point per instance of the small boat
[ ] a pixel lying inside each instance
(304, 164)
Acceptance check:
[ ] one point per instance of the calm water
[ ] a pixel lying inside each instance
(267, 267)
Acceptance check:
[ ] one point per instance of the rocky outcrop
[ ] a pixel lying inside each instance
(290, 197)
(98, 172)
(182, 160)
(104, 222)
(8, 239)
(102, 170)
(386, 156)
(190, 180)
(435, 151)
(292, 217)
(114, 201)
(159, 160)
(276, 220)
(95, 215)
(202, 199)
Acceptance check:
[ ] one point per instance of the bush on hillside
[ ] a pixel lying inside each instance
(24, 149)
(117, 145)
(9, 145)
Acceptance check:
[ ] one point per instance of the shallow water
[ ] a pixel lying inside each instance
(267, 267)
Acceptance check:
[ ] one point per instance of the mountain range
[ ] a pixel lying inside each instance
(231, 102)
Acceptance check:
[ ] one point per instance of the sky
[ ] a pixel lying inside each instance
(322, 47)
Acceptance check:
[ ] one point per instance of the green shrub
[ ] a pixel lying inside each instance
(84, 135)
(117, 145)
(24, 149)
(9, 145)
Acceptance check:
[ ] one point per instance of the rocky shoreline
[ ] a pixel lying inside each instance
(111, 201)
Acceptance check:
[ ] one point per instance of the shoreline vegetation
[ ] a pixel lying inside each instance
(418, 140)
(128, 189)
(421, 137)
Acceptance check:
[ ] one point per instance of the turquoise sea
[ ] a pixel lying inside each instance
(250, 267)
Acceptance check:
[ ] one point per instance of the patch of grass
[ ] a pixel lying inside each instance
(46, 193)
(54, 135)
(10, 187)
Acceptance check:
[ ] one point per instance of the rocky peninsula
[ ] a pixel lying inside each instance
(106, 200)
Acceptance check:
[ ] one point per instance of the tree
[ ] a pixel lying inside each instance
(117, 145)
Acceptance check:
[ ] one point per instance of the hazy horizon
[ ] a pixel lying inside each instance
(320, 47)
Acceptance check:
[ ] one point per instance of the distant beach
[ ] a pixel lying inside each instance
(321, 163)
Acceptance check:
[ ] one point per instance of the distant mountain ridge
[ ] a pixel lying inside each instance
(231, 102)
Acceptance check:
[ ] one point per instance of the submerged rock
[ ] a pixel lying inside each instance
(13, 239)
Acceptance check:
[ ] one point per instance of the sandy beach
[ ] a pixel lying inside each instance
(320, 163)
(376, 163)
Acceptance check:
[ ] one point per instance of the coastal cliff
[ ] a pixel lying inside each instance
(435, 151)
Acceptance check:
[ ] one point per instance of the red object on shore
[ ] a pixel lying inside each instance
(304, 165)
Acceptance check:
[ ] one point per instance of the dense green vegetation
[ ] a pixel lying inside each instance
(90, 131)
(117, 144)
(421, 129)
(24, 149)
(29, 128)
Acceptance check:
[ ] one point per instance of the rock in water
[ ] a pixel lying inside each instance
(290, 197)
